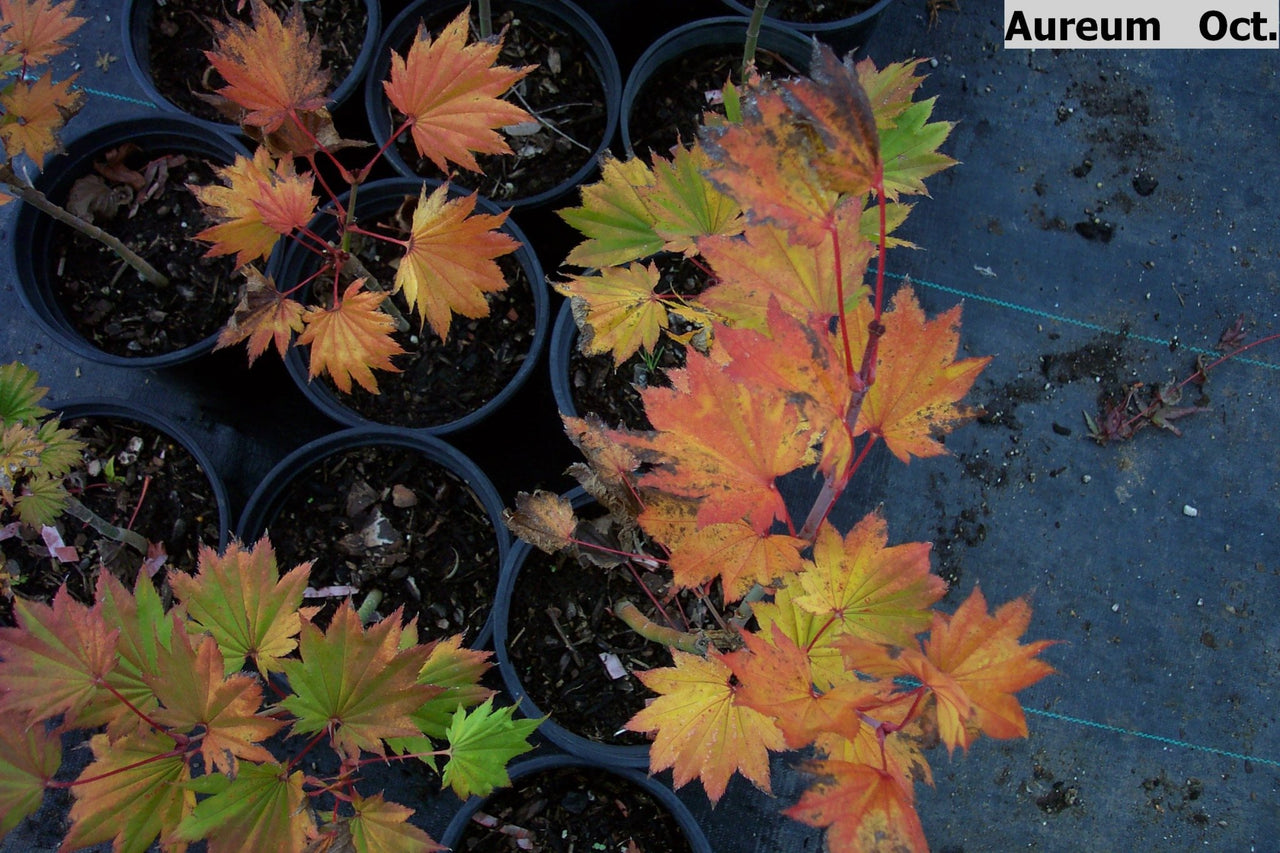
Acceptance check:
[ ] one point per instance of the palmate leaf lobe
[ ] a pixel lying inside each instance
(19, 395)
(258, 201)
(380, 826)
(33, 112)
(264, 317)
(615, 220)
(685, 205)
(543, 519)
(918, 381)
(737, 554)
(451, 91)
(357, 683)
(863, 807)
(37, 31)
(449, 265)
(241, 599)
(453, 672)
(481, 742)
(617, 310)
(29, 756)
(700, 730)
(263, 808)
(350, 339)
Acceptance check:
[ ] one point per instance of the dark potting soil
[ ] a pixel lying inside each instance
(573, 809)
(670, 106)
(564, 92)
(134, 477)
(389, 519)
(104, 299)
(180, 32)
(443, 380)
(817, 11)
(613, 392)
(561, 623)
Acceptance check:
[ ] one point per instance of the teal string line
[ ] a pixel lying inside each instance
(1158, 738)
(127, 99)
(1072, 321)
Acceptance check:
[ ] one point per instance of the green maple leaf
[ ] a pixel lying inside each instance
(61, 449)
(144, 631)
(618, 225)
(685, 205)
(42, 500)
(480, 745)
(243, 602)
(909, 150)
(262, 808)
(356, 683)
(130, 794)
(380, 826)
(19, 396)
(453, 674)
(28, 759)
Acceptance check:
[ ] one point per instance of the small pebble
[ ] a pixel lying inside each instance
(1115, 608)
(1189, 511)
(1087, 478)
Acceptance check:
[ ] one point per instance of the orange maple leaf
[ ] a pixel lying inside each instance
(610, 473)
(721, 442)
(700, 729)
(272, 68)
(259, 201)
(876, 592)
(448, 265)
(918, 381)
(36, 30)
(736, 553)
(190, 683)
(451, 92)
(33, 114)
(864, 807)
(264, 315)
(351, 339)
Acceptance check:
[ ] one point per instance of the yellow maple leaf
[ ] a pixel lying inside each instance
(448, 265)
(700, 731)
(36, 30)
(617, 310)
(264, 316)
(258, 201)
(351, 338)
(451, 93)
(738, 554)
(33, 114)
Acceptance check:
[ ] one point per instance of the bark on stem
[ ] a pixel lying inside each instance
(650, 630)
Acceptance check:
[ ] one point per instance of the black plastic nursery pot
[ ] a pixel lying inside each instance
(565, 783)
(843, 34)
(699, 39)
(293, 263)
(37, 237)
(135, 25)
(388, 518)
(564, 337)
(579, 32)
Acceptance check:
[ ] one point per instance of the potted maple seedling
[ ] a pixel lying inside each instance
(357, 280)
(208, 716)
(815, 638)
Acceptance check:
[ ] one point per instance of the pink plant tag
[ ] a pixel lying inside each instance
(58, 549)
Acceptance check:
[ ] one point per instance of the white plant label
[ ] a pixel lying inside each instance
(1142, 24)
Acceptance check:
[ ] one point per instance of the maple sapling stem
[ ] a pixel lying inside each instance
(753, 37)
(320, 735)
(146, 483)
(605, 549)
(834, 231)
(484, 15)
(150, 759)
(831, 490)
(650, 630)
(653, 599)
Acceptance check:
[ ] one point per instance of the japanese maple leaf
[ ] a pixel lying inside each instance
(454, 672)
(736, 553)
(263, 808)
(144, 632)
(610, 477)
(617, 310)
(543, 519)
(764, 264)
(33, 113)
(613, 217)
(685, 205)
(380, 826)
(29, 756)
(451, 93)
(889, 89)
(56, 661)
(355, 682)
(863, 807)
(195, 694)
(700, 730)
(910, 150)
(258, 201)
(982, 654)
(264, 316)
(832, 105)
(806, 630)
(37, 30)
(918, 381)
(481, 742)
(723, 442)
(131, 793)
(448, 265)
(240, 598)
(272, 68)
(351, 339)
(874, 591)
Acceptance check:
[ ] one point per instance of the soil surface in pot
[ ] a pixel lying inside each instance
(180, 32)
(564, 93)
(613, 392)
(134, 477)
(389, 519)
(103, 298)
(442, 381)
(670, 105)
(572, 809)
(562, 634)
(816, 11)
